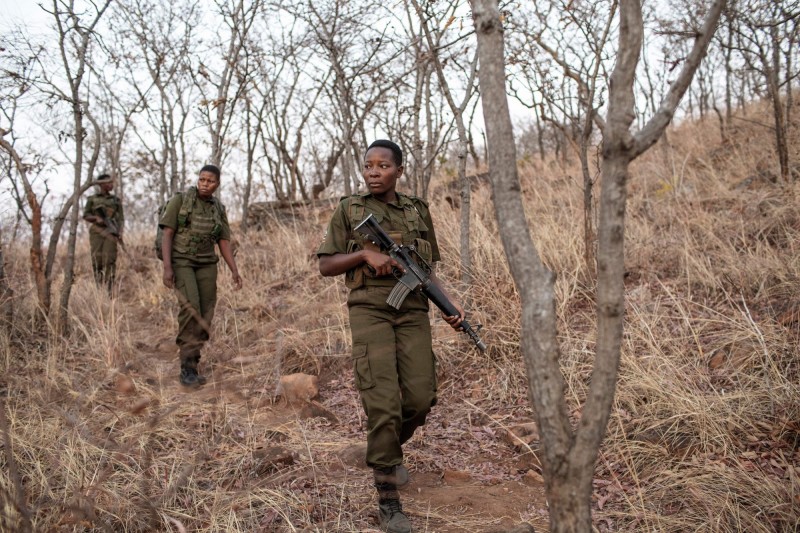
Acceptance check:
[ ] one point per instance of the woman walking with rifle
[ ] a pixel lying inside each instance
(393, 361)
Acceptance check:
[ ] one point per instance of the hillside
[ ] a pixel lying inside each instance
(704, 435)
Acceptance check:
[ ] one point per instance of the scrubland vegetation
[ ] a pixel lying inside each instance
(97, 435)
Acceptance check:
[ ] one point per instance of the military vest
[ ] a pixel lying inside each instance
(108, 202)
(405, 226)
(198, 229)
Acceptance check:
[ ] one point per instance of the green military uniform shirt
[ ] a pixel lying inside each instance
(110, 205)
(407, 215)
(202, 253)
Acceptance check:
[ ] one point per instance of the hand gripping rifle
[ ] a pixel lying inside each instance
(414, 277)
(109, 223)
(110, 226)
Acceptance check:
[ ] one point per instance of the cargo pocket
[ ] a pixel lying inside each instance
(424, 249)
(361, 369)
(354, 278)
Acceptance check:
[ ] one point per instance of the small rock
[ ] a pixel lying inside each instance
(355, 455)
(124, 384)
(456, 476)
(140, 406)
(271, 458)
(298, 388)
(316, 409)
(521, 436)
(532, 478)
(276, 436)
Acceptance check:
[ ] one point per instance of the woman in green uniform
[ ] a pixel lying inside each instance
(393, 359)
(192, 223)
(104, 212)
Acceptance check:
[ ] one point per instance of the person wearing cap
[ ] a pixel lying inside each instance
(393, 362)
(103, 212)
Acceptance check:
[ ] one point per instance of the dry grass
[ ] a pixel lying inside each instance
(704, 436)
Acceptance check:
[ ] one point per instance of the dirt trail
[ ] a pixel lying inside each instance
(465, 476)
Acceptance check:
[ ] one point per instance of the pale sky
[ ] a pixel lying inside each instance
(24, 12)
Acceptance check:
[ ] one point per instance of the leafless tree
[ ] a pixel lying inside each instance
(767, 33)
(223, 86)
(569, 456)
(76, 33)
(6, 297)
(434, 38)
(64, 82)
(354, 43)
(160, 38)
(290, 92)
(574, 38)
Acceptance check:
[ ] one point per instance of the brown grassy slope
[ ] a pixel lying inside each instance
(704, 433)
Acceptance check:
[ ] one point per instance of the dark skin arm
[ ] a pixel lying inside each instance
(168, 275)
(227, 255)
(94, 219)
(337, 264)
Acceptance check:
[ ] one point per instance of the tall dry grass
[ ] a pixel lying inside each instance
(703, 436)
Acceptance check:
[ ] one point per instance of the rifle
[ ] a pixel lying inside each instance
(110, 224)
(414, 277)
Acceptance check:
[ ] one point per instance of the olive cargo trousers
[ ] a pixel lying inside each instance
(394, 369)
(197, 296)
(103, 250)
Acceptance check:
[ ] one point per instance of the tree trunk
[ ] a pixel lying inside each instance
(6, 298)
(568, 498)
(37, 263)
(568, 459)
(69, 264)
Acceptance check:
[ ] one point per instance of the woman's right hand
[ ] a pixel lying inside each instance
(168, 277)
(382, 264)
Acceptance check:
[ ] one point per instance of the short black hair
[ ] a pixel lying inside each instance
(386, 143)
(102, 178)
(214, 169)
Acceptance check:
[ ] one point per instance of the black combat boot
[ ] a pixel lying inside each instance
(392, 517)
(189, 375)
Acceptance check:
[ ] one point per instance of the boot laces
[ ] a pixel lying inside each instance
(393, 506)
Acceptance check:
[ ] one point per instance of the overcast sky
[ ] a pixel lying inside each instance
(25, 12)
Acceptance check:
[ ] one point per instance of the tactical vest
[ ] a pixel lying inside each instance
(406, 230)
(109, 203)
(198, 230)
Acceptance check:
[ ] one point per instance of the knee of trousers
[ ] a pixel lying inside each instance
(418, 404)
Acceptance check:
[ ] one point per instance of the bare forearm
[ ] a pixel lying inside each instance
(166, 247)
(227, 255)
(336, 264)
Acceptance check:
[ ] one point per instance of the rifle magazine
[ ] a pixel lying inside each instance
(398, 295)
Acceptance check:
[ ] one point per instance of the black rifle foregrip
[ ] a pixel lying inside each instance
(435, 295)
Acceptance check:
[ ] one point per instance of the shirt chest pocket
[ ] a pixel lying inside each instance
(414, 225)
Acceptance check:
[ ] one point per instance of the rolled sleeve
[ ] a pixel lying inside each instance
(335, 239)
(170, 217)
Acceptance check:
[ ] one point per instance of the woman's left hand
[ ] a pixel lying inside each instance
(455, 321)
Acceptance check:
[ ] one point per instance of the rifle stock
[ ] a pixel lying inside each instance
(414, 277)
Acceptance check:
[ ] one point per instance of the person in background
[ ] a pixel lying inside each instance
(192, 223)
(393, 361)
(103, 212)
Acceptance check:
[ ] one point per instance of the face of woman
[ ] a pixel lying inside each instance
(381, 172)
(207, 184)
